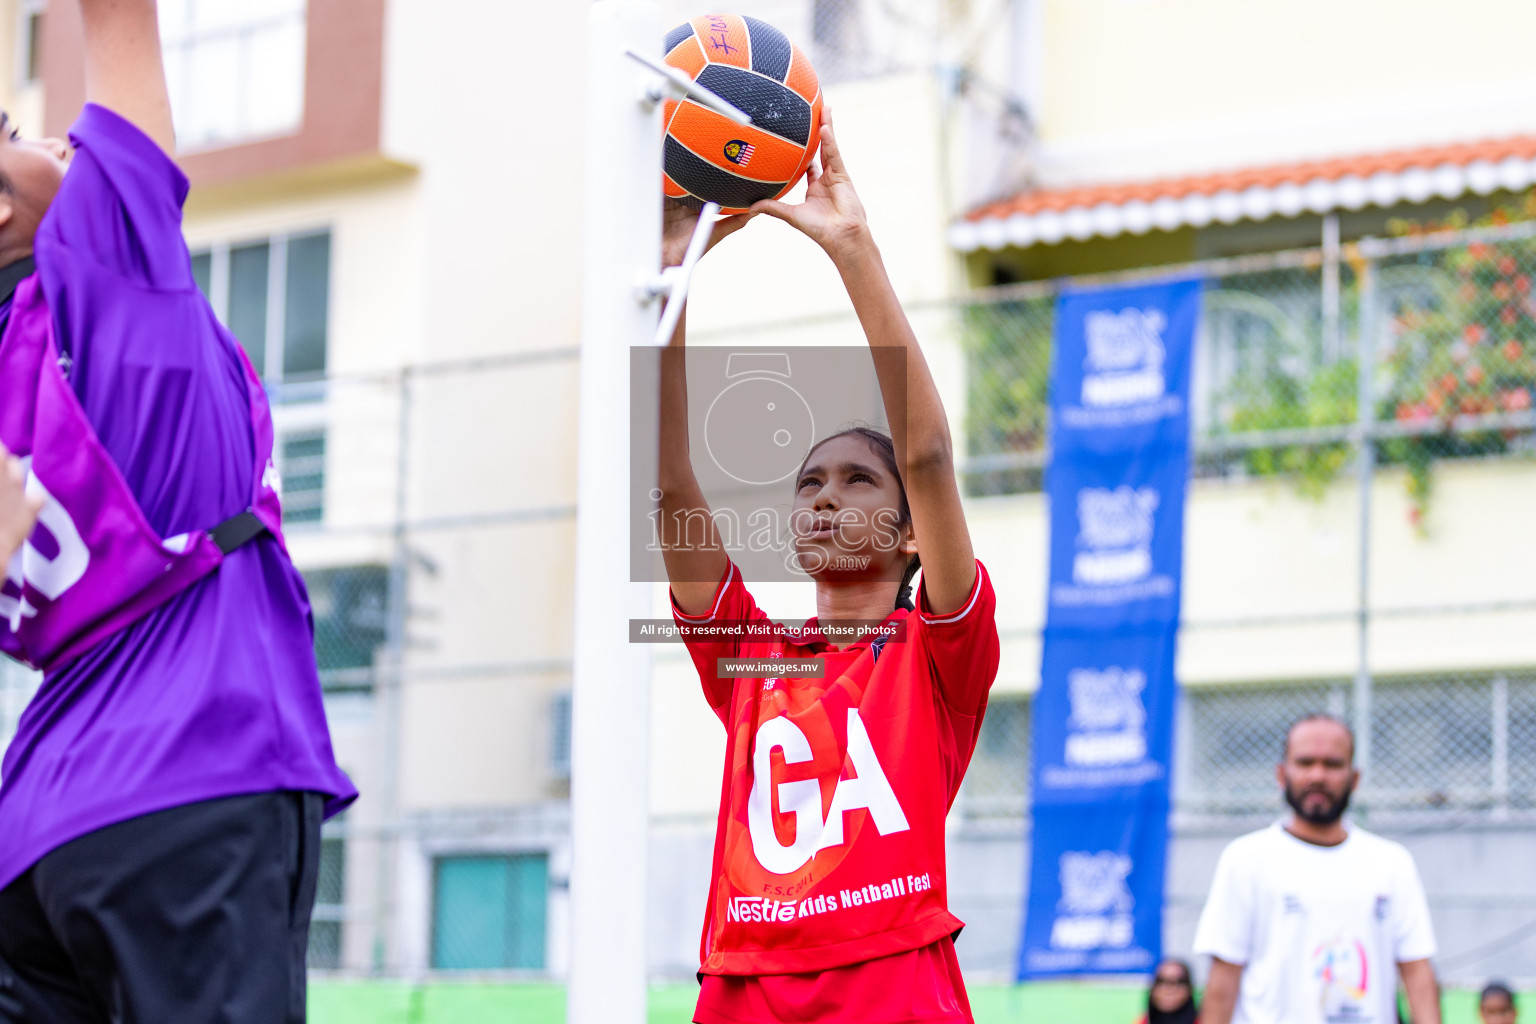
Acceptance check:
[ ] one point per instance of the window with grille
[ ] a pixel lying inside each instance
(351, 612)
(330, 894)
(273, 294)
(1234, 740)
(1452, 741)
(488, 912)
(1449, 741)
(560, 736)
(17, 686)
(997, 782)
(301, 463)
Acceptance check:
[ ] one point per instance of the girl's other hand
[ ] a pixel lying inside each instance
(677, 222)
(831, 215)
(18, 510)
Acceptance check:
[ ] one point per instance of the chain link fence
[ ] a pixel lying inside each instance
(1452, 742)
(1446, 327)
(439, 580)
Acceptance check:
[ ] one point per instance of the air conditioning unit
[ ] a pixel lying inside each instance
(559, 762)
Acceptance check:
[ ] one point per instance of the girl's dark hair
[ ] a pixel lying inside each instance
(1495, 988)
(881, 444)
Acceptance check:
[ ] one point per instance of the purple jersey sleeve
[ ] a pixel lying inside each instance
(120, 203)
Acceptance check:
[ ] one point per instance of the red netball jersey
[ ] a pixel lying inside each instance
(829, 848)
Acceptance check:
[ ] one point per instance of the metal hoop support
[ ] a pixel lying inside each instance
(682, 85)
(672, 284)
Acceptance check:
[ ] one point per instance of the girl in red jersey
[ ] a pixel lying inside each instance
(827, 895)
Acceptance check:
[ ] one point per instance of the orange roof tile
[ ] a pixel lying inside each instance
(1364, 166)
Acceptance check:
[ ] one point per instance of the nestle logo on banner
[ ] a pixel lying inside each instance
(1125, 358)
(1108, 724)
(1114, 534)
(1096, 902)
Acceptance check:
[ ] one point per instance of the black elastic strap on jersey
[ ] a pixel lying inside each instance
(237, 530)
(12, 274)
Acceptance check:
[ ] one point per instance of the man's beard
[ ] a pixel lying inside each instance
(1326, 815)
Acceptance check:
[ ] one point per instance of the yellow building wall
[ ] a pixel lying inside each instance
(1138, 88)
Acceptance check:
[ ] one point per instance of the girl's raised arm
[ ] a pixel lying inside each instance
(690, 544)
(833, 217)
(123, 67)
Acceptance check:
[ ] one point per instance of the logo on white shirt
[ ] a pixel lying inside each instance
(1342, 969)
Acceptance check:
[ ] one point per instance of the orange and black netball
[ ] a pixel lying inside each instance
(749, 63)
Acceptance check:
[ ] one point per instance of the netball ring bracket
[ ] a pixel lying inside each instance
(672, 283)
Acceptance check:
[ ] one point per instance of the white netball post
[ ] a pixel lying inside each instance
(610, 722)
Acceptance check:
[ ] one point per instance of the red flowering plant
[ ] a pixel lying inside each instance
(1463, 354)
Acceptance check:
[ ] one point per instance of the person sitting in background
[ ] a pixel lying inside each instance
(1171, 1000)
(18, 511)
(1496, 1004)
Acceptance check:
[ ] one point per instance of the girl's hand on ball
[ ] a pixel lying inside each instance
(677, 222)
(831, 214)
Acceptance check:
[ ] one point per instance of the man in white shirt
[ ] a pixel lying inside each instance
(1307, 918)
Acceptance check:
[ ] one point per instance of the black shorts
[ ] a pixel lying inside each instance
(192, 915)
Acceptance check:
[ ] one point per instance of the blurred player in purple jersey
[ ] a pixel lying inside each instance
(160, 805)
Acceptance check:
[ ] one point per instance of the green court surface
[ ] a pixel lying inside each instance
(482, 1002)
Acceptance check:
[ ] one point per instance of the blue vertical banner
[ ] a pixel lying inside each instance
(1103, 717)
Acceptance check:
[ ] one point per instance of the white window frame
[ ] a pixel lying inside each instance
(277, 290)
(296, 417)
(189, 38)
(307, 419)
(558, 763)
(27, 76)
